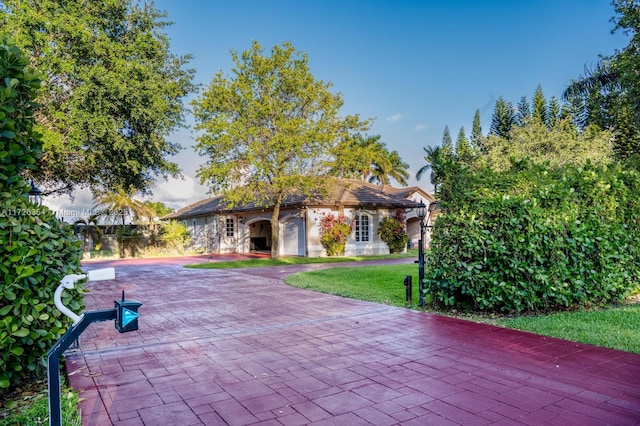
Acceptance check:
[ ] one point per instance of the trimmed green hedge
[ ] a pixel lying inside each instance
(536, 238)
(36, 250)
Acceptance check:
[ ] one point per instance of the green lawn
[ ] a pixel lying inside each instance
(381, 284)
(615, 327)
(32, 409)
(259, 262)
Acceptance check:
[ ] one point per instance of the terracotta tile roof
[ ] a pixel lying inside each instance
(343, 192)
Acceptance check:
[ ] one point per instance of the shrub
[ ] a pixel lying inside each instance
(393, 231)
(175, 235)
(334, 232)
(37, 250)
(537, 238)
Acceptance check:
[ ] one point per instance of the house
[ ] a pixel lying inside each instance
(215, 228)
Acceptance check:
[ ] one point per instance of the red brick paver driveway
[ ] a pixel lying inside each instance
(240, 347)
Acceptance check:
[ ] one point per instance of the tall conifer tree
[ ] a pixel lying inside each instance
(476, 132)
(503, 118)
(524, 111)
(539, 106)
(448, 148)
(464, 151)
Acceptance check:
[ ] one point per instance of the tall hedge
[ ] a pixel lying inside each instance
(537, 238)
(36, 250)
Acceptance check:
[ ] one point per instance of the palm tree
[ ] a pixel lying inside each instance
(602, 76)
(391, 167)
(120, 205)
(433, 160)
(89, 229)
(369, 159)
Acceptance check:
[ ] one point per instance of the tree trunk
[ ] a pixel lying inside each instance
(275, 230)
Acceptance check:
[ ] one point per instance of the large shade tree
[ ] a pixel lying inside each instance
(112, 91)
(269, 130)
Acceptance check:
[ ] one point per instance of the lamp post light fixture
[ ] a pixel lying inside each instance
(35, 195)
(434, 207)
(421, 212)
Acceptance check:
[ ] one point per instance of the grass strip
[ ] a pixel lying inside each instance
(616, 327)
(284, 261)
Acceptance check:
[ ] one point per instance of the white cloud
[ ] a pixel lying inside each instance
(174, 193)
(72, 207)
(177, 193)
(420, 127)
(394, 118)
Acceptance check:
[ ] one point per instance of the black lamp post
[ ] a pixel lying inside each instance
(421, 212)
(35, 195)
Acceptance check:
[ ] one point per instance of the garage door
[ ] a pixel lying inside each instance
(292, 243)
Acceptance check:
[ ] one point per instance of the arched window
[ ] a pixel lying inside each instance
(362, 228)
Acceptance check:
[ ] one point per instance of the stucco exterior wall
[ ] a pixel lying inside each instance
(209, 233)
(353, 247)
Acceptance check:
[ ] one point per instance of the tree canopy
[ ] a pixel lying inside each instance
(270, 130)
(608, 94)
(558, 146)
(112, 91)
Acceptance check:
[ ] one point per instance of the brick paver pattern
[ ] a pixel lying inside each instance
(240, 347)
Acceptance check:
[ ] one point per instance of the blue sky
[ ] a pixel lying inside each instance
(415, 66)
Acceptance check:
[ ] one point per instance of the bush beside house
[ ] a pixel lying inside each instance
(393, 231)
(334, 232)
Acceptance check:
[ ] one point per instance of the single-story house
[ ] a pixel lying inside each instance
(215, 228)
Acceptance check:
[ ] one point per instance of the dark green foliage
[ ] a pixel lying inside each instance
(503, 118)
(523, 115)
(608, 94)
(36, 253)
(36, 250)
(554, 112)
(464, 152)
(536, 238)
(112, 91)
(18, 147)
(476, 132)
(626, 141)
(129, 239)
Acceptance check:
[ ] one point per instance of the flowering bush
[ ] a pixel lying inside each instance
(334, 232)
(393, 231)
